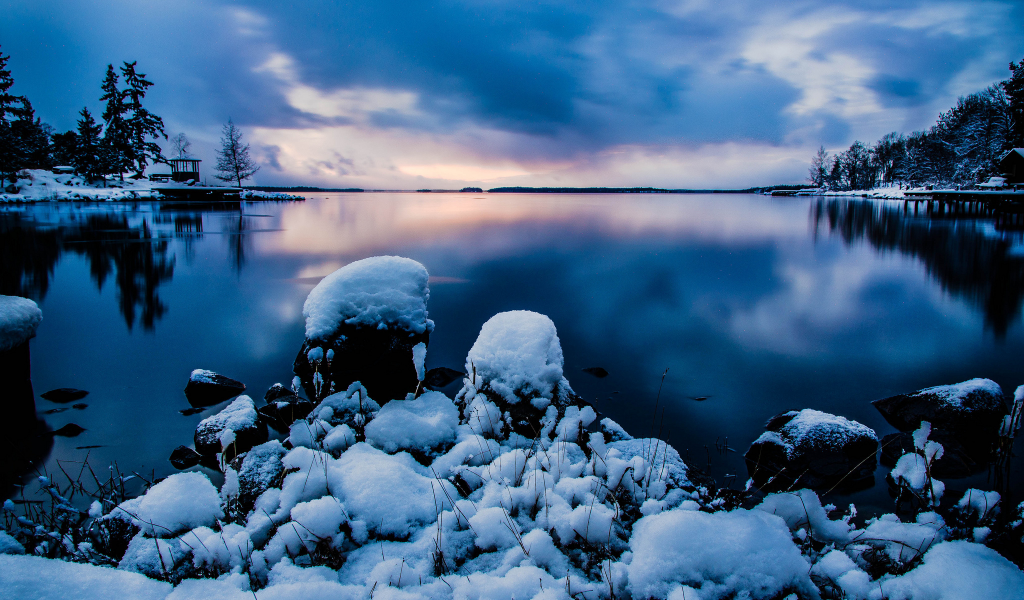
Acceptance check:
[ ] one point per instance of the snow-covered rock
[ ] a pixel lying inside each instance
(363, 323)
(968, 413)
(206, 388)
(232, 431)
(260, 469)
(424, 425)
(813, 447)
(19, 318)
(955, 570)
(181, 502)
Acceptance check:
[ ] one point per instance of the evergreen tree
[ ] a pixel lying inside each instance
(116, 144)
(64, 148)
(233, 159)
(32, 136)
(88, 159)
(9, 151)
(141, 124)
(1014, 89)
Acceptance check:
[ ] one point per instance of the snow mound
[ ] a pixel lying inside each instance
(41, 578)
(722, 554)
(809, 430)
(517, 355)
(382, 290)
(181, 502)
(19, 318)
(954, 570)
(423, 424)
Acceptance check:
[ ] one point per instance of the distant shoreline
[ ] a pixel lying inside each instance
(541, 190)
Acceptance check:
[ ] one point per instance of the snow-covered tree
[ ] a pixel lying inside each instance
(1014, 89)
(88, 154)
(233, 160)
(140, 123)
(116, 147)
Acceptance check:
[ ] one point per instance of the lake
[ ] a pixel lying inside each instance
(755, 305)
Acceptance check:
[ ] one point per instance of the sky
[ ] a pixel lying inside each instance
(489, 93)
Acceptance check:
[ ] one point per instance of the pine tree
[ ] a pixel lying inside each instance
(88, 154)
(141, 124)
(1014, 88)
(9, 151)
(32, 136)
(116, 143)
(64, 148)
(233, 157)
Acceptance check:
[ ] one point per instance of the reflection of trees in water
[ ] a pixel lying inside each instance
(966, 261)
(137, 260)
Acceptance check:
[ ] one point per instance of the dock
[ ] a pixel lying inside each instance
(185, 197)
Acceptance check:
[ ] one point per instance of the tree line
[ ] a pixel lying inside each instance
(123, 140)
(962, 148)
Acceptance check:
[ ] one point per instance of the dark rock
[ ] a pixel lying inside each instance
(80, 406)
(90, 447)
(261, 469)
(440, 377)
(64, 395)
(54, 411)
(596, 372)
(191, 411)
(809, 448)
(380, 359)
(241, 418)
(184, 457)
(277, 391)
(969, 413)
(69, 430)
(206, 388)
(281, 413)
(954, 464)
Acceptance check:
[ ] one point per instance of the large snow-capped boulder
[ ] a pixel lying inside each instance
(19, 318)
(813, 448)
(362, 323)
(516, 365)
(967, 413)
(231, 431)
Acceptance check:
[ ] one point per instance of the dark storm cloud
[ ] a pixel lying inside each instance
(573, 78)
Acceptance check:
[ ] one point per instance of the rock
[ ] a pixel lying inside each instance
(80, 406)
(69, 430)
(440, 377)
(954, 464)
(231, 431)
(191, 411)
(277, 391)
(362, 323)
(281, 413)
(596, 372)
(261, 469)
(516, 364)
(969, 413)
(64, 395)
(184, 457)
(206, 388)
(19, 319)
(809, 448)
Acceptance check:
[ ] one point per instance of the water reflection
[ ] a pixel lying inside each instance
(136, 259)
(963, 251)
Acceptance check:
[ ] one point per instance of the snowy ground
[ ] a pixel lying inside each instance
(42, 186)
(439, 497)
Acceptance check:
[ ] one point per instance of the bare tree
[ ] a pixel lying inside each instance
(233, 161)
(181, 145)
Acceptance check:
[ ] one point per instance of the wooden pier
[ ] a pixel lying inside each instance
(178, 197)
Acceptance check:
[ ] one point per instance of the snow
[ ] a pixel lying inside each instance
(43, 579)
(419, 354)
(181, 502)
(802, 510)
(238, 416)
(981, 504)
(517, 355)
(811, 429)
(721, 553)
(151, 556)
(381, 291)
(202, 376)
(19, 318)
(9, 545)
(955, 570)
(913, 470)
(953, 396)
(423, 424)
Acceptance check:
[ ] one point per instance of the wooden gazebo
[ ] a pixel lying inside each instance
(184, 169)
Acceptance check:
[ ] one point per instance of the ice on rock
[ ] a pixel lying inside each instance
(177, 504)
(517, 355)
(19, 318)
(419, 355)
(151, 556)
(423, 424)
(388, 290)
(724, 554)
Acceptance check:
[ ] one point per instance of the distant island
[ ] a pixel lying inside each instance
(302, 188)
(633, 190)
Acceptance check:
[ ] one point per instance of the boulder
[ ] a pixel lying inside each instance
(285, 410)
(276, 391)
(968, 413)
(516, 365)
(362, 323)
(261, 469)
(206, 388)
(184, 457)
(809, 448)
(231, 431)
(64, 395)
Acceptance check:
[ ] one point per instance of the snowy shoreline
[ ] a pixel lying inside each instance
(44, 186)
(512, 488)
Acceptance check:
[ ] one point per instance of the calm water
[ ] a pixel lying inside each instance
(761, 305)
